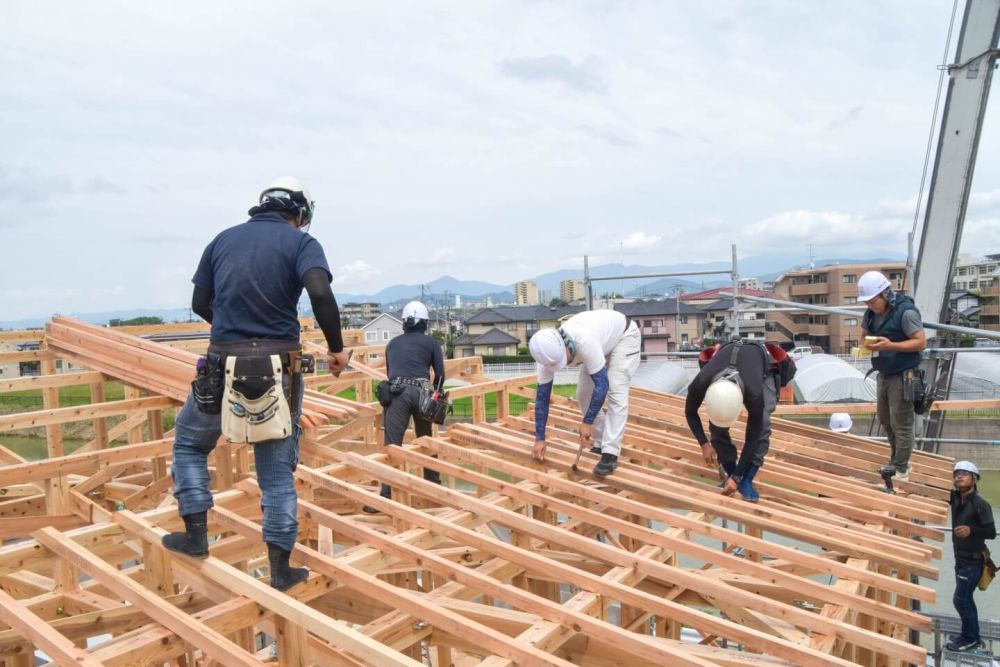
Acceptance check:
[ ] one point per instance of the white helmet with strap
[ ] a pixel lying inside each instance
(413, 312)
(287, 194)
(871, 284)
(548, 349)
(723, 402)
(966, 466)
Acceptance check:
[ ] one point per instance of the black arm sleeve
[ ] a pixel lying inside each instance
(201, 303)
(438, 362)
(324, 305)
(695, 397)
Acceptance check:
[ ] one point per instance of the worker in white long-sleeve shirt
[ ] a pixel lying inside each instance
(605, 344)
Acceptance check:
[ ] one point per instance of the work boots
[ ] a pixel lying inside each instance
(194, 540)
(606, 465)
(745, 486)
(283, 576)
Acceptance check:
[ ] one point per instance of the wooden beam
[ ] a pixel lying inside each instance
(195, 633)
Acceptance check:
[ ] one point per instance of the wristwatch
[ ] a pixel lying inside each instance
(736, 478)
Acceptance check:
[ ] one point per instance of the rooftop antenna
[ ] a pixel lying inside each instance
(812, 260)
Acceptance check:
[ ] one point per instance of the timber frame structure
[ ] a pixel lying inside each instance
(508, 562)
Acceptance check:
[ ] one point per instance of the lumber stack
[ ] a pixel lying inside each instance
(509, 562)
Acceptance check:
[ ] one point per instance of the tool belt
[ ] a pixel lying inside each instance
(209, 384)
(256, 408)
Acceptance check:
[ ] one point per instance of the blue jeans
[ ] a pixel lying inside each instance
(966, 580)
(195, 438)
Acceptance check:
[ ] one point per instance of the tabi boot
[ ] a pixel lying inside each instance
(283, 576)
(745, 486)
(194, 540)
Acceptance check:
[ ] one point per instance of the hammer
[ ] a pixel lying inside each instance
(577, 459)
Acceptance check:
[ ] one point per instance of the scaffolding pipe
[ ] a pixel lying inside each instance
(984, 333)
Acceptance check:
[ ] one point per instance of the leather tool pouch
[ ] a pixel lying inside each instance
(209, 384)
(433, 405)
(383, 393)
(256, 408)
(989, 571)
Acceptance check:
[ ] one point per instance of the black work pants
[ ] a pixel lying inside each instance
(722, 443)
(395, 420)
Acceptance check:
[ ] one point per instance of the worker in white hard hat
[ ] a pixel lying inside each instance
(894, 332)
(971, 525)
(409, 359)
(605, 344)
(734, 376)
(249, 386)
(841, 422)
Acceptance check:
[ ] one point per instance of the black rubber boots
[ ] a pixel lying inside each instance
(194, 540)
(283, 576)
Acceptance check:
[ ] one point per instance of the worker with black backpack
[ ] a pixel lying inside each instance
(733, 376)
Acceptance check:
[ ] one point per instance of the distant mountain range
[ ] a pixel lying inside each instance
(443, 290)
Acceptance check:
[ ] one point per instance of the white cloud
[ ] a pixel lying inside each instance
(500, 146)
(639, 241)
(357, 272)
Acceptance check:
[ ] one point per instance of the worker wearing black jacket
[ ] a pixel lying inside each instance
(734, 375)
(971, 524)
(409, 359)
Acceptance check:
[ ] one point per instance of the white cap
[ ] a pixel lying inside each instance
(967, 466)
(415, 310)
(723, 402)
(871, 284)
(841, 422)
(548, 349)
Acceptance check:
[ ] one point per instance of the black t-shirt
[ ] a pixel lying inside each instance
(412, 355)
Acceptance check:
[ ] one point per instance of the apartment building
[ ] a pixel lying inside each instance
(526, 293)
(975, 273)
(359, 313)
(571, 290)
(833, 285)
(980, 277)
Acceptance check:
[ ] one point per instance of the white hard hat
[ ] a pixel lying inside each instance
(723, 402)
(967, 466)
(548, 348)
(289, 194)
(871, 284)
(841, 422)
(415, 310)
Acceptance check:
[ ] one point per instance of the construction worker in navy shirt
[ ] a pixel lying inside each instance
(733, 376)
(247, 286)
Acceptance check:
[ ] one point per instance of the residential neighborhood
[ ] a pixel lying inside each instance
(686, 321)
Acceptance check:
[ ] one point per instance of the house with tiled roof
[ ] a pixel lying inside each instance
(521, 322)
(492, 342)
(665, 324)
(705, 297)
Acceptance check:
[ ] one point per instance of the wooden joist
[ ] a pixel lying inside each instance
(510, 562)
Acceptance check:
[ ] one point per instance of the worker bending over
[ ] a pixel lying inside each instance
(605, 344)
(733, 376)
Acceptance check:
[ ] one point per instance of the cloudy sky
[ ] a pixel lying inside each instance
(487, 140)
